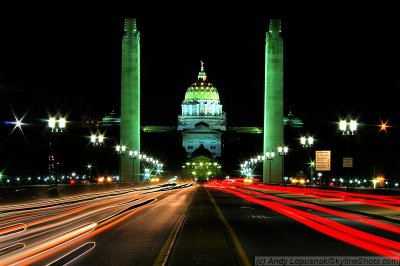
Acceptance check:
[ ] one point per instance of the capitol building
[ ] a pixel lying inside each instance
(201, 125)
(202, 120)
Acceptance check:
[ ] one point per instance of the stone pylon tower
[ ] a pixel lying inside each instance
(130, 101)
(273, 102)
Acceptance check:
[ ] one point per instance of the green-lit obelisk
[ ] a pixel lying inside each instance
(130, 101)
(273, 102)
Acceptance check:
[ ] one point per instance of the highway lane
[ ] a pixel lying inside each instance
(43, 232)
(268, 225)
(144, 237)
(214, 224)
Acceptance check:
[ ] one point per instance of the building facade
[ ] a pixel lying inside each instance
(193, 138)
(202, 120)
(201, 104)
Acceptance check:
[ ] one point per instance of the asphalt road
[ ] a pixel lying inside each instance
(212, 224)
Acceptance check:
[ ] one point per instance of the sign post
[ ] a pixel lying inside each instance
(347, 162)
(323, 160)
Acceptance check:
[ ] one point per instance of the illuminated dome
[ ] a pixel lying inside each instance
(201, 104)
(202, 89)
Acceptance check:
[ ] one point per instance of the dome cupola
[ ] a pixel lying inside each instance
(201, 104)
(201, 89)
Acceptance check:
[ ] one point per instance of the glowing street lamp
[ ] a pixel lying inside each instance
(282, 151)
(97, 139)
(120, 150)
(348, 127)
(133, 155)
(270, 157)
(57, 124)
(308, 142)
(89, 167)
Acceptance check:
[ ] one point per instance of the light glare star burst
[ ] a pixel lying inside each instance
(384, 126)
(18, 124)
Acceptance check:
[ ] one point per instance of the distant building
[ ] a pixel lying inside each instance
(292, 121)
(111, 120)
(201, 104)
(202, 120)
(201, 166)
(202, 135)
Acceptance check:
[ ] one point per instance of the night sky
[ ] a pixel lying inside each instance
(338, 61)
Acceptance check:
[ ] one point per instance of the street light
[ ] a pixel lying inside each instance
(320, 178)
(348, 128)
(282, 151)
(97, 139)
(133, 155)
(57, 124)
(270, 157)
(248, 167)
(120, 150)
(307, 142)
(89, 167)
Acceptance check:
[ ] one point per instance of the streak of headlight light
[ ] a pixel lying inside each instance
(65, 257)
(44, 251)
(13, 229)
(388, 227)
(297, 215)
(32, 253)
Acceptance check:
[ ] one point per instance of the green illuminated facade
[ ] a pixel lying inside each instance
(273, 101)
(202, 104)
(130, 101)
(202, 120)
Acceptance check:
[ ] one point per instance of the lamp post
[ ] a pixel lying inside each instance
(57, 124)
(120, 150)
(133, 155)
(97, 141)
(89, 167)
(270, 157)
(282, 151)
(348, 128)
(307, 142)
(159, 168)
(320, 178)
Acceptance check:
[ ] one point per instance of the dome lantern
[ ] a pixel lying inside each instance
(201, 89)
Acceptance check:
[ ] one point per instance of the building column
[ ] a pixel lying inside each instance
(273, 101)
(130, 100)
